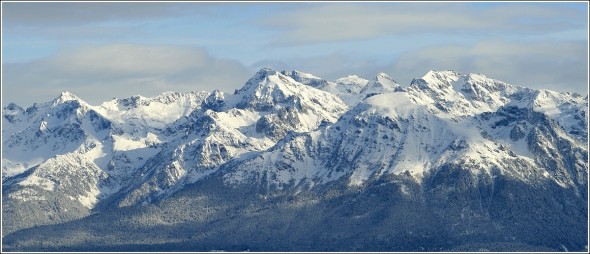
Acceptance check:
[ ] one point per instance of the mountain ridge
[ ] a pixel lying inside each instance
(284, 133)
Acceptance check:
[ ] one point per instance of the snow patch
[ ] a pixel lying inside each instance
(34, 180)
(89, 198)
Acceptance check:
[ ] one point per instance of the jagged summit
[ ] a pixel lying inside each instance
(436, 81)
(299, 74)
(307, 79)
(13, 106)
(269, 89)
(445, 75)
(383, 76)
(385, 79)
(352, 79)
(215, 101)
(66, 96)
(256, 79)
(382, 83)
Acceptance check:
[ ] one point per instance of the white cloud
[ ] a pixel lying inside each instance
(337, 22)
(129, 60)
(99, 73)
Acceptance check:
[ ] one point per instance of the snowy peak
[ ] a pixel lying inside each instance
(382, 83)
(162, 100)
(43, 131)
(215, 101)
(137, 101)
(482, 82)
(451, 93)
(12, 112)
(350, 89)
(259, 77)
(384, 78)
(12, 107)
(270, 90)
(481, 88)
(548, 102)
(301, 75)
(18, 119)
(168, 98)
(436, 81)
(67, 96)
(137, 114)
(131, 102)
(65, 106)
(447, 76)
(306, 79)
(263, 89)
(351, 84)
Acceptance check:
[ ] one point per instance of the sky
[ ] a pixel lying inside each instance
(102, 50)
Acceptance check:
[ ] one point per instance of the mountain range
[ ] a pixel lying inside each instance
(293, 162)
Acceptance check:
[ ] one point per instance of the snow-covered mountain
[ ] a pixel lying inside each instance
(351, 89)
(286, 133)
(483, 125)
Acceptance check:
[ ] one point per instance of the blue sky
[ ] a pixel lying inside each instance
(103, 50)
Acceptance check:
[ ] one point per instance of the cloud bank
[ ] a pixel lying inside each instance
(336, 22)
(97, 73)
(100, 50)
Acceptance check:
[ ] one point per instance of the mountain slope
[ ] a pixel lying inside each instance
(409, 131)
(66, 155)
(266, 109)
